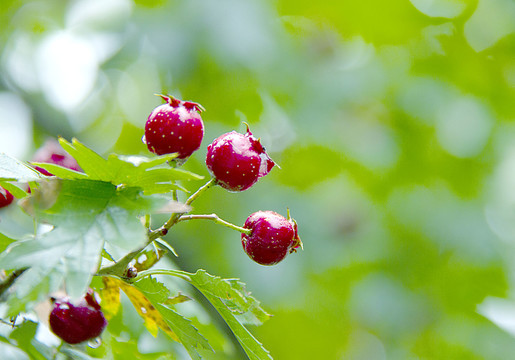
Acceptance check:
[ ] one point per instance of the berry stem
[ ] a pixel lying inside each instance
(9, 280)
(121, 265)
(175, 216)
(217, 220)
(212, 182)
(177, 273)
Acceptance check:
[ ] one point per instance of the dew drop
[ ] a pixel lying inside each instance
(144, 139)
(95, 343)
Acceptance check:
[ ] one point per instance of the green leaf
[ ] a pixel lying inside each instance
(60, 171)
(126, 171)
(24, 336)
(76, 354)
(85, 214)
(183, 328)
(11, 352)
(4, 241)
(153, 289)
(234, 295)
(177, 299)
(189, 336)
(33, 286)
(164, 244)
(12, 169)
(234, 304)
(231, 300)
(13, 189)
(253, 348)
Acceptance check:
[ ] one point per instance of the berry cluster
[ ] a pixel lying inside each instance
(236, 162)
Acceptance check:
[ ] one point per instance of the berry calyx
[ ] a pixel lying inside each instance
(272, 237)
(52, 153)
(77, 323)
(174, 127)
(6, 198)
(237, 160)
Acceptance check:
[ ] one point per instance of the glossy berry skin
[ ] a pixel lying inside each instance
(52, 153)
(174, 127)
(272, 237)
(6, 198)
(77, 323)
(237, 160)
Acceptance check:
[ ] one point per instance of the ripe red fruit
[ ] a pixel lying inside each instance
(77, 323)
(174, 127)
(52, 153)
(237, 160)
(6, 197)
(272, 237)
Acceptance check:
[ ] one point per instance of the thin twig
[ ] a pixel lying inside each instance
(9, 280)
(120, 266)
(217, 220)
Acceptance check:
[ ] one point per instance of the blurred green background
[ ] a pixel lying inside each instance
(392, 122)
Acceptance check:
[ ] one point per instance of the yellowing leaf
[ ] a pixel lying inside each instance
(152, 317)
(110, 295)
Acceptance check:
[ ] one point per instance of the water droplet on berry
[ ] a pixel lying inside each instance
(95, 343)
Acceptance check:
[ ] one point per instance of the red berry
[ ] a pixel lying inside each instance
(52, 153)
(174, 127)
(272, 237)
(237, 160)
(77, 323)
(6, 197)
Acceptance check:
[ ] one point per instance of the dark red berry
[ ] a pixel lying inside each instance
(272, 237)
(52, 153)
(77, 323)
(174, 127)
(237, 160)
(6, 197)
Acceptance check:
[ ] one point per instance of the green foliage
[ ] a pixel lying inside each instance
(24, 335)
(231, 300)
(392, 122)
(98, 214)
(186, 333)
(12, 169)
(132, 171)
